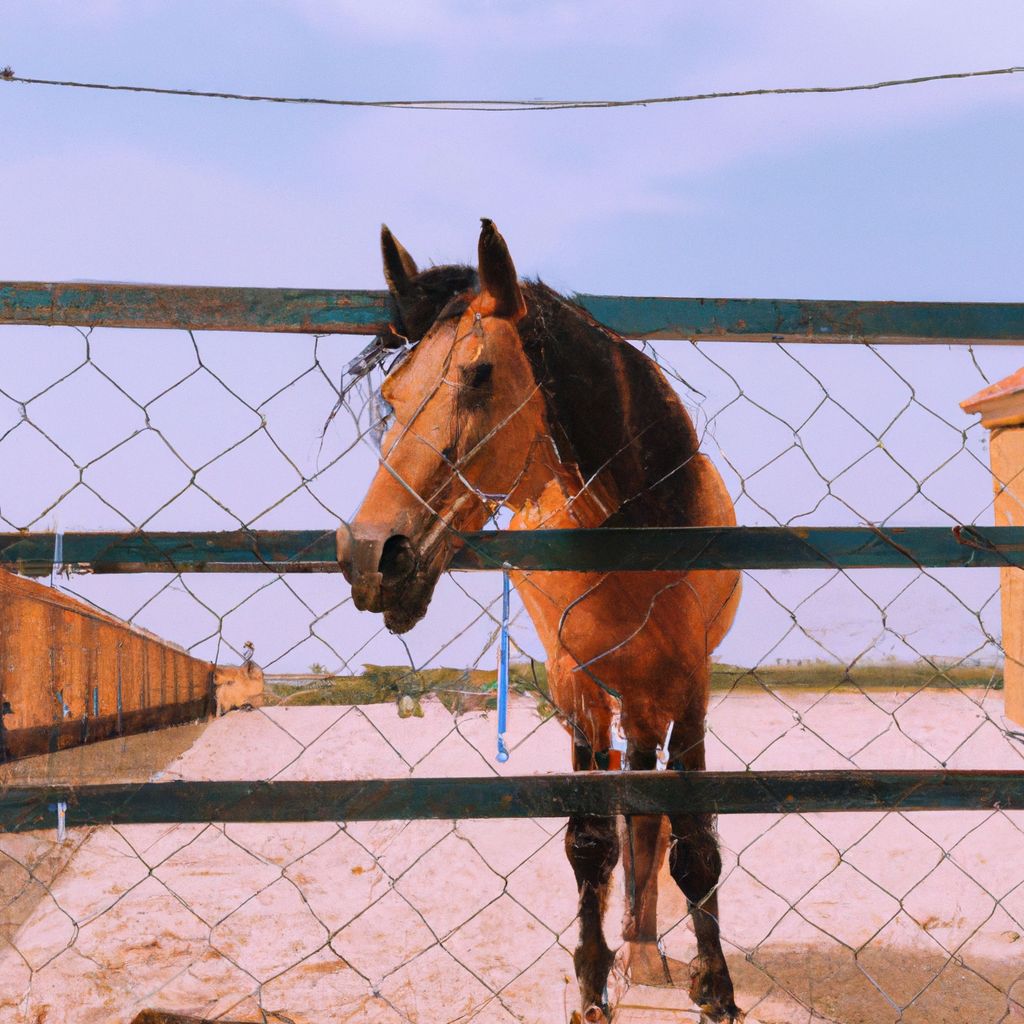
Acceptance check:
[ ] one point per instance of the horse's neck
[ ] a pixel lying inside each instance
(559, 500)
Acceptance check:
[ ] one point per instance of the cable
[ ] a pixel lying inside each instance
(506, 106)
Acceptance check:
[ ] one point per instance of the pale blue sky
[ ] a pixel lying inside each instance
(909, 193)
(906, 193)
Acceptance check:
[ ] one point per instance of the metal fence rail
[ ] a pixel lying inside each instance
(605, 550)
(324, 311)
(25, 808)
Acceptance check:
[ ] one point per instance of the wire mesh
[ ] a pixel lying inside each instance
(825, 917)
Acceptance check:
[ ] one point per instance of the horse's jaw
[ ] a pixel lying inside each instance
(407, 608)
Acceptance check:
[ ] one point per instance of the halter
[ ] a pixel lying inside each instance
(388, 342)
(385, 343)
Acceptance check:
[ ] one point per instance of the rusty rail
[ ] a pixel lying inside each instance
(346, 311)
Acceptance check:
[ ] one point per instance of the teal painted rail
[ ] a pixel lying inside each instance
(296, 310)
(571, 550)
(814, 320)
(24, 808)
(365, 312)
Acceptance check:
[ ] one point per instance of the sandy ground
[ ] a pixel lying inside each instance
(852, 918)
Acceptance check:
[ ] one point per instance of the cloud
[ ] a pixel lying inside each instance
(549, 176)
(237, 193)
(464, 24)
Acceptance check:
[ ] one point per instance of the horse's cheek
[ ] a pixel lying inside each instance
(514, 447)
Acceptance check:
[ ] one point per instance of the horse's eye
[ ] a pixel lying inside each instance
(477, 376)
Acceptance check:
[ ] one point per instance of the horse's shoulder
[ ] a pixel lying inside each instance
(712, 505)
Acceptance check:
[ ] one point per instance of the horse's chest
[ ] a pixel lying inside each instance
(649, 616)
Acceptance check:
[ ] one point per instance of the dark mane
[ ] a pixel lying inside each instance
(611, 410)
(428, 294)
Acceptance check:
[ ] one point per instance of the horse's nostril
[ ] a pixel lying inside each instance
(397, 558)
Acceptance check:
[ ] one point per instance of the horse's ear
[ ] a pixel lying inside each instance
(498, 279)
(399, 266)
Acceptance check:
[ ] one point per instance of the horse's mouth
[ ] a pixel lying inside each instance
(410, 606)
(408, 579)
(391, 574)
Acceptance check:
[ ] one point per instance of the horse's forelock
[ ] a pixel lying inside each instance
(428, 296)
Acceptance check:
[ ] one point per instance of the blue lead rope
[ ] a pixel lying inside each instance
(502, 756)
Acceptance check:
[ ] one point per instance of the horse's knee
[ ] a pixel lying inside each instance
(695, 861)
(592, 846)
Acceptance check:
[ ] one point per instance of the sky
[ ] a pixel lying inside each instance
(907, 193)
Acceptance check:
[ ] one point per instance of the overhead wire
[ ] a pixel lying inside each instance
(508, 106)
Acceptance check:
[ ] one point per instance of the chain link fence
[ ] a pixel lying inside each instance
(851, 917)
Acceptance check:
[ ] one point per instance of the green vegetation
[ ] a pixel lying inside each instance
(473, 689)
(886, 675)
(458, 689)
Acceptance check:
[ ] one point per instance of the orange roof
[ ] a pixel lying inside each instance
(1000, 404)
(1007, 386)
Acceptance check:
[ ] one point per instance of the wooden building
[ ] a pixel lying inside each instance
(70, 674)
(1002, 410)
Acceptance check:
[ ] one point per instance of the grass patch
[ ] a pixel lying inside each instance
(886, 675)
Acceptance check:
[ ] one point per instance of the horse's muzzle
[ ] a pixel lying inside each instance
(377, 561)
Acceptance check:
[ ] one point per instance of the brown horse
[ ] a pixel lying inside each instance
(514, 396)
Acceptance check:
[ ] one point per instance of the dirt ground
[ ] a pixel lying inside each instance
(848, 918)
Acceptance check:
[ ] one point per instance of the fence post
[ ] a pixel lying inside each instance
(1002, 411)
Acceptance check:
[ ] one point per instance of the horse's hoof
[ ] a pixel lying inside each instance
(726, 1015)
(730, 1015)
(592, 1015)
(711, 990)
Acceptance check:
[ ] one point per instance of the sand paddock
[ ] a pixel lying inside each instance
(849, 918)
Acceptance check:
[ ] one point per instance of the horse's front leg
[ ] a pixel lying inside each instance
(643, 851)
(592, 846)
(696, 866)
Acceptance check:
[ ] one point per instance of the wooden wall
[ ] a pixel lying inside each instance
(70, 674)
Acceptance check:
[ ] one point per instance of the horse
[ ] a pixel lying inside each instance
(509, 395)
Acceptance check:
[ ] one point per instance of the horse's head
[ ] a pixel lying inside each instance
(466, 414)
